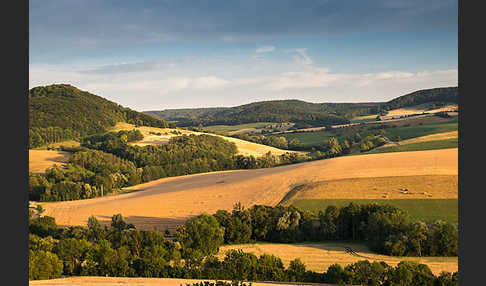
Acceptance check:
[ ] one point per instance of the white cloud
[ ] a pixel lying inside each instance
(265, 49)
(218, 83)
(302, 57)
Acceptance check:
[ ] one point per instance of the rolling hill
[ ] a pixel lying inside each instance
(301, 112)
(168, 202)
(62, 112)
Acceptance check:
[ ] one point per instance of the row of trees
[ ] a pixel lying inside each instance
(121, 250)
(39, 136)
(386, 229)
(274, 141)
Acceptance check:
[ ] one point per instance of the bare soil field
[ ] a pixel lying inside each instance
(319, 256)
(116, 281)
(40, 160)
(151, 137)
(167, 202)
(417, 187)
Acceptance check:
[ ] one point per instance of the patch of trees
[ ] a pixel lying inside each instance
(123, 251)
(39, 136)
(89, 174)
(106, 163)
(75, 113)
(384, 228)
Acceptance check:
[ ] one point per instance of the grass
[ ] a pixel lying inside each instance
(419, 146)
(309, 139)
(420, 130)
(427, 210)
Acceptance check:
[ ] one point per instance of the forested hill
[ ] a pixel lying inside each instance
(61, 112)
(442, 94)
(297, 111)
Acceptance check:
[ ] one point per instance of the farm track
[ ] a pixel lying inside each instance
(168, 202)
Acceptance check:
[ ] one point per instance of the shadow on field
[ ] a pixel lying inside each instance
(147, 223)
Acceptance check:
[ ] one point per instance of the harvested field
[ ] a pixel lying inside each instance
(167, 202)
(40, 160)
(416, 110)
(417, 187)
(116, 281)
(151, 137)
(426, 138)
(319, 256)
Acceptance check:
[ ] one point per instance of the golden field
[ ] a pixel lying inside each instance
(244, 147)
(418, 187)
(415, 110)
(116, 281)
(40, 160)
(319, 256)
(167, 202)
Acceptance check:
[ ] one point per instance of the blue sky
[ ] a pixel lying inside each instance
(152, 55)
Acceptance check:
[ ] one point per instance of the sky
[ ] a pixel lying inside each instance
(163, 54)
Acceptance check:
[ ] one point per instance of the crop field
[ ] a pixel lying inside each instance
(427, 145)
(393, 187)
(116, 281)
(40, 160)
(426, 210)
(168, 202)
(419, 109)
(153, 135)
(408, 132)
(319, 256)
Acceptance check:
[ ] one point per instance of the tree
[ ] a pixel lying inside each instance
(95, 231)
(44, 265)
(333, 147)
(296, 270)
(202, 233)
(357, 138)
(72, 252)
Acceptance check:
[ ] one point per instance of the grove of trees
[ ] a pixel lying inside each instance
(119, 249)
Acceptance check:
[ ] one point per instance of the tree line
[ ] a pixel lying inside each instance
(123, 251)
(384, 228)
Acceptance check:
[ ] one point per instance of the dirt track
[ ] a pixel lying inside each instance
(167, 202)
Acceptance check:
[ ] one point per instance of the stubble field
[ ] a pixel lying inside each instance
(167, 202)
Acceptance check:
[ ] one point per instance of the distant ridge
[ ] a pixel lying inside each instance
(298, 111)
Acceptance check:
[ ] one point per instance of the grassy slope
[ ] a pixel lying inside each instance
(427, 210)
(430, 145)
(309, 139)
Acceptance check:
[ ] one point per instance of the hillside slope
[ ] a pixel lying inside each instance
(170, 201)
(61, 112)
